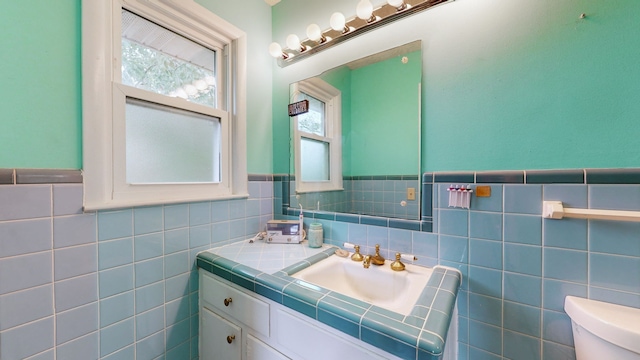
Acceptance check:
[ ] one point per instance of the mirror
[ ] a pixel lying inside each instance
(378, 109)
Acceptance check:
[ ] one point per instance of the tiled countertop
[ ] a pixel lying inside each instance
(265, 268)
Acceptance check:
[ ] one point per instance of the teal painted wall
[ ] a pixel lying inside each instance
(384, 117)
(555, 92)
(529, 83)
(518, 84)
(40, 125)
(41, 95)
(254, 18)
(340, 78)
(379, 100)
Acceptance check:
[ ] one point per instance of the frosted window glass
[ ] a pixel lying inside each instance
(167, 145)
(314, 157)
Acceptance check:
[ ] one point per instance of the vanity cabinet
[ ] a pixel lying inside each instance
(238, 324)
(221, 339)
(231, 323)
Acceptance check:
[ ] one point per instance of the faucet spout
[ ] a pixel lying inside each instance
(367, 261)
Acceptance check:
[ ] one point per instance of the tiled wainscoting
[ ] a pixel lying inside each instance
(370, 195)
(113, 284)
(517, 266)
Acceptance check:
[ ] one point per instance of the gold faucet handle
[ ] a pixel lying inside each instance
(377, 259)
(357, 256)
(397, 265)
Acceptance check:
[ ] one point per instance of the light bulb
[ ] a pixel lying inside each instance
(364, 10)
(276, 50)
(337, 22)
(293, 42)
(315, 34)
(398, 4)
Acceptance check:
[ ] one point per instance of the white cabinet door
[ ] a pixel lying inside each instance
(257, 350)
(219, 339)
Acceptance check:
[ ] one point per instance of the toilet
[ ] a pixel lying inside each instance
(602, 330)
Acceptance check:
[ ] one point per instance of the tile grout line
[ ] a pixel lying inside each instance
(53, 274)
(542, 278)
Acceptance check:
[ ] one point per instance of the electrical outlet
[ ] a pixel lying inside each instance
(411, 193)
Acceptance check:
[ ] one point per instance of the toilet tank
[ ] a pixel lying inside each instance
(602, 330)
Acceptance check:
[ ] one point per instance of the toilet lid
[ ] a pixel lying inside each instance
(619, 325)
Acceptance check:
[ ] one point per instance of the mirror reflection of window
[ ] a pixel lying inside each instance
(315, 160)
(312, 122)
(381, 135)
(318, 138)
(314, 153)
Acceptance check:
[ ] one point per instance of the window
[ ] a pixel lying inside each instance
(318, 138)
(163, 104)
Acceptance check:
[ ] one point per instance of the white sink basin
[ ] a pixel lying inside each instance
(397, 291)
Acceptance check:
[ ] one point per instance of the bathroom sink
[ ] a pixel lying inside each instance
(397, 291)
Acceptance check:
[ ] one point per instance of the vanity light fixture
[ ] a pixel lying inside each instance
(315, 34)
(293, 42)
(276, 51)
(398, 4)
(338, 22)
(364, 10)
(367, 18)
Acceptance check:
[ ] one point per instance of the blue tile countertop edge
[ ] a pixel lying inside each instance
(419, 335)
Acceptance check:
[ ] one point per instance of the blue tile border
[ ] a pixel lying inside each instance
(505, 177)
(261, 177)
(6, 177)
(562, 176)
(404, 224)
(65, 176)
(372, 220)
(348, 218)
(454, 177)
(323, 215)
(613, 176)
(382, 177)
(555, 176)
(47, 176)
(392, 332)
(427, 200)
(429, 179)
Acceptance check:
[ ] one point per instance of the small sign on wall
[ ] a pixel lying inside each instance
(299, 107)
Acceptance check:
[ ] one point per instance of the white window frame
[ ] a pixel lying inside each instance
(104, 102)
(332, 99)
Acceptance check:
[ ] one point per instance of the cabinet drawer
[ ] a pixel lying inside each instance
(232, 302)
(220, 339)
